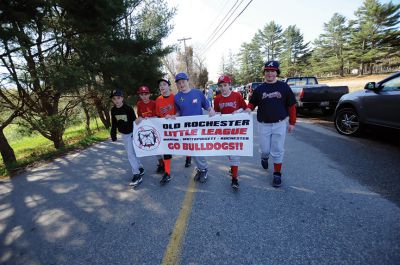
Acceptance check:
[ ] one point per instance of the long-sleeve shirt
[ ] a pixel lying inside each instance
(275, 102)
(122, 119)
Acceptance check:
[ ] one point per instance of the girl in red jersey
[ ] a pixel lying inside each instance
(228, 102)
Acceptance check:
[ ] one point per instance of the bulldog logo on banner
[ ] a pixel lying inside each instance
(147, 138)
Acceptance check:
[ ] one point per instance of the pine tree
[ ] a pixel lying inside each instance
(331, 48)
(294, 51)
(270, 40)
(375, 33)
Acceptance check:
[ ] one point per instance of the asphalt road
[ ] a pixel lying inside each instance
(339, 204)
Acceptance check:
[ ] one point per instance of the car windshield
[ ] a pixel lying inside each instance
(301, 81)
(392, 85)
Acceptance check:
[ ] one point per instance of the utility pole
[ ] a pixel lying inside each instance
(186, 57)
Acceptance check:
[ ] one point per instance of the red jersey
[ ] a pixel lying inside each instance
(146, 110)
(229, 104)
(165, 106)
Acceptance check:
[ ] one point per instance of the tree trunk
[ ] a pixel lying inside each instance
(104, 114)
(87, 115)
(56, 138)
(361, 68)
(7, 153)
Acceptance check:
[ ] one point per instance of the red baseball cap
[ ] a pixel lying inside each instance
(143, 90)
(224, 79)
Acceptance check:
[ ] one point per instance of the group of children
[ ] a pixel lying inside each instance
(191, 102)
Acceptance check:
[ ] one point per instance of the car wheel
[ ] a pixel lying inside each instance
(347, 122)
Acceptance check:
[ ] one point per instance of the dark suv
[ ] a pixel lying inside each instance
(378, 104)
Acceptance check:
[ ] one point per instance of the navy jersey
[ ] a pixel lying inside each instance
(273, 101)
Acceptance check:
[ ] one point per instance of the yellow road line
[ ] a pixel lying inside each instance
(173, 252)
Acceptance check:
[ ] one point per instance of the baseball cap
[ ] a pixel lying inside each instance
(143, 90)
(165, 80)
(181, 76)
(224, 79)
(116, 93)
(272, 65)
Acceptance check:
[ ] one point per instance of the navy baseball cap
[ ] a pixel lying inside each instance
(181, 76)
(272, 65)
(116, 93)
(165, 80)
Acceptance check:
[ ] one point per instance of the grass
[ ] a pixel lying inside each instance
(31, 149)
(353, 82)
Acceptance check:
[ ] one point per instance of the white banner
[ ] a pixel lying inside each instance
(220, 135)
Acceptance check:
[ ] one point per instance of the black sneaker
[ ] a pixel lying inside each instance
(141, 172)
(188, 161)
(160, 169)
(166, 178)
(235, 184)
(277, 179)
(136, 180)
(203, 176)
(264, 163)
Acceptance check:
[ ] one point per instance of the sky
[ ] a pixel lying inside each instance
(198, 19)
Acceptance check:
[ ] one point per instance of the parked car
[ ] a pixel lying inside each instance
(378, 104)
(311, 95)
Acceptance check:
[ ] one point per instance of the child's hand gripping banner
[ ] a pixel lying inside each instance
(220, 135)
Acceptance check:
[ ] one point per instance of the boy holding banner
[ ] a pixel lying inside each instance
(191, 102)
(146, 108)
(165, 108)
(122, 118)
(229, 102)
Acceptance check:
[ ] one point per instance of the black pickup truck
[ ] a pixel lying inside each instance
(311, 95)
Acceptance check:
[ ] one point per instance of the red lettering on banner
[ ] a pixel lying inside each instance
(173, 146)
(211, 146)
(180, 133)
(226, 131)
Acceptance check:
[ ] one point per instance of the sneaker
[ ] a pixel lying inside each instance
(141, 172)
(136, 180)
(264, 163)
(188, 161)
(235, 184)
(277, 179)
(165, 178)
(160, 169)
(203, 176)
(197, 175)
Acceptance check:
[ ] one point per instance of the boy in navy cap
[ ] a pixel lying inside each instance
(276, 102)
(122, 118)
(190, 102)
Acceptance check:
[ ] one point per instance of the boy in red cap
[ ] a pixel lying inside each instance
(229, 102)
(146, 108)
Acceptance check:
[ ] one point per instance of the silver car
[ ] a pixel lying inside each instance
(378, 104)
